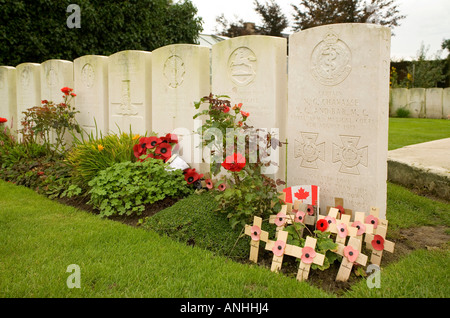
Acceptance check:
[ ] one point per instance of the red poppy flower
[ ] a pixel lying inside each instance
(235, 162)
(350, 253)
(341, 210)
(44, 101)
(164, 149)
(73, 94)
(342, 230)
(330, 219)
(322, 225)
(150, 142)
(170, 138)
(378, 242)
(300, 217)
(3, 120)
(240, 123)
(370, 219)
(222, 187)
(280, 220)
(66, 90)
(361, 227)
(310, 209)
(209, 184)
(308, 254)
(255, 232)
(225, 109)
(138, 150)
(278, 248)
(191, 176)
(238, 106)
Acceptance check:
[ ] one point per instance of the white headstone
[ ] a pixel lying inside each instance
(446, 103)
(130, 96)
(91, 87)
(180, 77)
(433, 102)
(8, 99)
(252, 70)
(338, 113)
(28, 79)
(55, 74)
(399, 99)
(416, 100)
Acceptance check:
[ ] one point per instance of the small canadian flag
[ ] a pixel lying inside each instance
(308, 194)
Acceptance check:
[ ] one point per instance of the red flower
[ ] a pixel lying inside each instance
(370, 219)
(73, 94)
(342, 230)
(151, 142)
(222, 187)
(170, 138)
(3, 120)
(244, 114)
(191, 176)
(341, 210)
(351, 254)
(66, 90)
(138, 150)
(226, 109)
(255, 232)
(378, 242)
(300, 217)
(310, 209)
(238, 106)
(278, 248)
(330, 219)
(280, 220)
(44, 101)
(164, 149)
(209, 184)
(361, 227)
(322, 225)
(308, 254)
(235, 162)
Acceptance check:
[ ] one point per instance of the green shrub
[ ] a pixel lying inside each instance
(402, 112)
(88, 157)
(126, 187)
(193, 221)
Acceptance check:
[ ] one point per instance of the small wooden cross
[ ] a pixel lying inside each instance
(339, 204)
(308, 257)
(378, 243)
(374, 219)
(257, 235)
(343, 229)
(331, 219)
(307, 254)
(351, 254)
(362, 228)
(308, 209)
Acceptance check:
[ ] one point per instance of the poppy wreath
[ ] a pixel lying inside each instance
(155, 147)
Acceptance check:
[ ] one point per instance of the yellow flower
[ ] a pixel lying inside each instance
(409, 77)
(100, 147)
(136, 137)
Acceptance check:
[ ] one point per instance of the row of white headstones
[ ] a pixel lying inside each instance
(329, 98)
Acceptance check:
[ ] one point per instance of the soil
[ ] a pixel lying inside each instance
(406, 241)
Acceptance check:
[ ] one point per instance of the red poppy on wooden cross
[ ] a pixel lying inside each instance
(308, 210)
(330, 219)
(361, 226)
(378, 243)
(374, 219)
(282, 218)
(343, 229)
(351, 254)
(256, 235)
(339, 204)
(306, 254)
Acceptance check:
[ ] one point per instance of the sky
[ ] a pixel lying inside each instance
(427, 22)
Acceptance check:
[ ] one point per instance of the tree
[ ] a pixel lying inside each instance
(312, 13)
(425, 72)
(35, 31)
(274, 21)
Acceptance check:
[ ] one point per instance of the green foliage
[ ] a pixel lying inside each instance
(35, 31)
(49, 123)
(244, 191)
(426, 72)
(126, 187)
(402, 112)
(89, 156)
(193, 221)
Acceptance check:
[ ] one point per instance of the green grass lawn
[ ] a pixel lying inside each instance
(408, 131)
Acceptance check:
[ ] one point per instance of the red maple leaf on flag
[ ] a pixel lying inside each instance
(301, 194)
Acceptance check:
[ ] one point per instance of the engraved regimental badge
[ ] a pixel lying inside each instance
(330, 60)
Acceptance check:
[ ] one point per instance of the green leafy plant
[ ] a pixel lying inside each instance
(126, 187)
(49, 123)
(96, 152)
(243, 189)
(402, 112)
